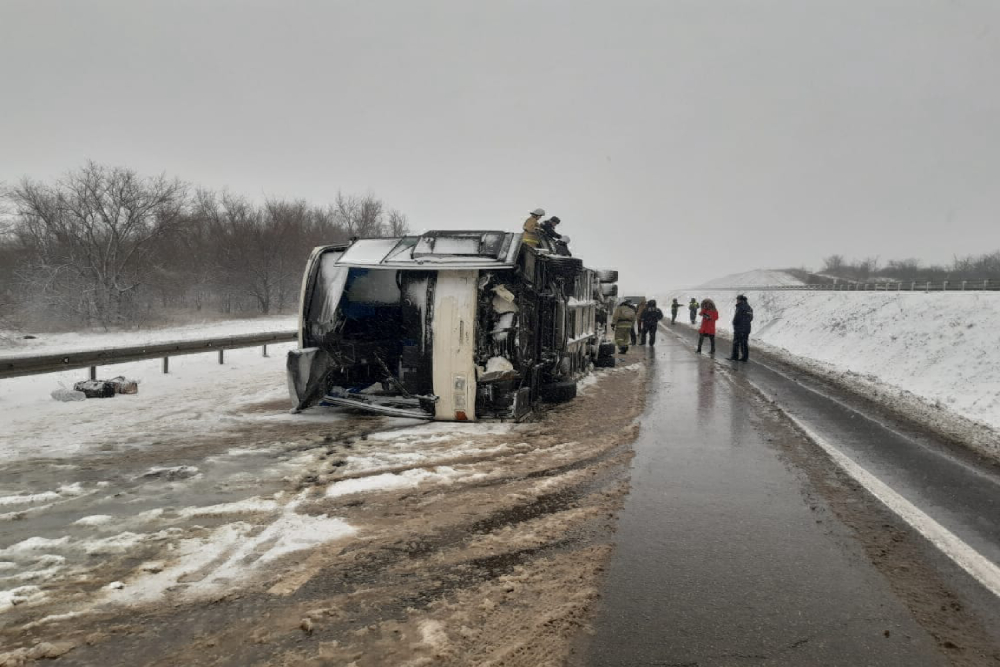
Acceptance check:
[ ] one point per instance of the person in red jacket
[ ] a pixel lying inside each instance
(709, 314)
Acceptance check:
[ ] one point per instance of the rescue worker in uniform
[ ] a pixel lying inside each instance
(674, 307)
(532, 229)
(621, 321)
(638, 317)
(693, 307)
(741, 330)
(648, 322)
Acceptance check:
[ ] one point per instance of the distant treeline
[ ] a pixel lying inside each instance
(869, 269)
(106, 246)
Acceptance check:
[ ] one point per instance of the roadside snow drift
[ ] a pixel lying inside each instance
(758, 278)
(937, 351)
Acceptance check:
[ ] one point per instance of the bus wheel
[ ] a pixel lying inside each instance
(558, 392)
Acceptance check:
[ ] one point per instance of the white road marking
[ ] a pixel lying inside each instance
(978, 566)
(878, 422)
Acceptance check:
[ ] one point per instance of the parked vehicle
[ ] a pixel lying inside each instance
(450, 325)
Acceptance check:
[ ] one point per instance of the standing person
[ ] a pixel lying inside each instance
(693, 307)
(674, 307)
(649, 320)
(709, 314)
(621, 321)
(556, 241)
(548, 227)
(741, 329)
(638, 318)
(532, 229)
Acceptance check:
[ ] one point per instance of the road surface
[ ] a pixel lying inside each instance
(740, 542)
(670, 515)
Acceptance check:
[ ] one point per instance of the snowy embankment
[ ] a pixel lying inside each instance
(758, 278)
(933, 356)
(14, 344)
(197, 396)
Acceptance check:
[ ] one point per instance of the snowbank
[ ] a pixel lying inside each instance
(936, 351)
(14, 345)
(758, 278)
(197, 396)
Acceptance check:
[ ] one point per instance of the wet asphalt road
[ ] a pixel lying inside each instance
(721, 560)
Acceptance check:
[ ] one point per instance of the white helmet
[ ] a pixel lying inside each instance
(538, 212)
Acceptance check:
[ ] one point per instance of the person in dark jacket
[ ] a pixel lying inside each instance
(674, 307)
(693, 307)
(548, 228)
(709, 314)
(741, 329)
(648, 321)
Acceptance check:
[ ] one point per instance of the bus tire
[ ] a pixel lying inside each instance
(607, 276)
(564, 267)
(558, 392)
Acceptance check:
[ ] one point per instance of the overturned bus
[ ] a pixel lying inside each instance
(449, 325)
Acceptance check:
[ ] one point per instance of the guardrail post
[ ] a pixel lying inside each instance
(93, 372)
(222, 355)
(263, 350)
(166, 364)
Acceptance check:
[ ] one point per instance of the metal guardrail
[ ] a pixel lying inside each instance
(918, 286)
(51, 363)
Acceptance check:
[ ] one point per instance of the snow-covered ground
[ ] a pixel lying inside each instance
(759, 278)
(934, 355)
(203, 480)
(13, 344)
(197, 396)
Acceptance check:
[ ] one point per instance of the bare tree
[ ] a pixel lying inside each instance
(397, 224)
(362, 216)
(903, 269)
(90, 236)
(833, 264)
(106, 246)
(867, 267)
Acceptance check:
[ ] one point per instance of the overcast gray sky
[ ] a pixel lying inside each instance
(679, 140)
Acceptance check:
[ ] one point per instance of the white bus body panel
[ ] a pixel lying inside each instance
(454, 372)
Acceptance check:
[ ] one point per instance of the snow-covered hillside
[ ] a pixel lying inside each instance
(758, 278)
(934, 355)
